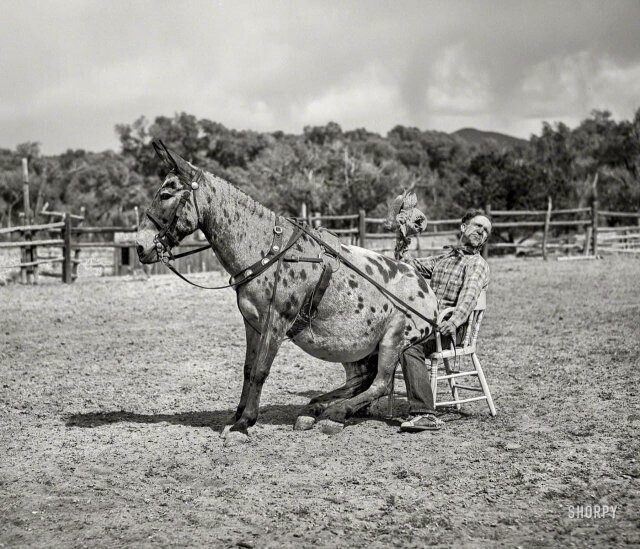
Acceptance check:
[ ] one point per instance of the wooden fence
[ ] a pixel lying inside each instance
(577, 231)
(523, 232)
(62, 244)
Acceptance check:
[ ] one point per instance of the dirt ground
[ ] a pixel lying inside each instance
(113, 392)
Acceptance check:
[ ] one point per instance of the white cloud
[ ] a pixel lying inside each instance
(72, 70)
(363, 96)
(567, 87)
(456, 86)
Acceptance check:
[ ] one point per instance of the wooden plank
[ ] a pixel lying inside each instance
(572, 211)
(104, 230)
(571, 223)
(578, 257)
(62, 214)
(607, 213)
(41, 261)
(619, 250)
(495, 213)
(351, 217)
(344, 231)
(22, 244)
(609, 237)
(25, 228)
(540, 224)
(515, 224)
(80, 245)
(614, 229)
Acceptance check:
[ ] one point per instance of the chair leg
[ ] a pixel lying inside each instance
(393, 384)
(452, 383)
(434, 381)
(483, 382)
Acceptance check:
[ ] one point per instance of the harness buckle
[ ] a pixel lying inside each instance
(277, 229)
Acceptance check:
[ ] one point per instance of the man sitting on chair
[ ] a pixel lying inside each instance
(457, 277)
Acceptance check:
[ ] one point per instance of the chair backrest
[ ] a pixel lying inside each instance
(472, 326)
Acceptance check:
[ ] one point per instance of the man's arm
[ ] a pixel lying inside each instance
(476, 279)
(425, 265)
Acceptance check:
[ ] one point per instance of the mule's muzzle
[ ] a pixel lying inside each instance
(146, 255)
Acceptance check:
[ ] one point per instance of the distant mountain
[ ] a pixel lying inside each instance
(471, 135)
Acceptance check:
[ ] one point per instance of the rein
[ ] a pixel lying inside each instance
(364, 275)
(166, 239)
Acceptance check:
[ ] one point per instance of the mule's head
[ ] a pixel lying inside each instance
(173, 213)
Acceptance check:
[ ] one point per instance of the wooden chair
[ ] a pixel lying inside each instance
(441, 359)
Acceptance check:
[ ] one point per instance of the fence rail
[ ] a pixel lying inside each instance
(359, 229)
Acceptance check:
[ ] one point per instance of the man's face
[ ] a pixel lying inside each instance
(475, 231)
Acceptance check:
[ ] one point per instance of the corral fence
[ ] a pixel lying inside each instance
(66, 244)
(59, 248)
(576, 231)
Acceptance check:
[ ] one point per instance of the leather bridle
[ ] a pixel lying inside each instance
(167, 237)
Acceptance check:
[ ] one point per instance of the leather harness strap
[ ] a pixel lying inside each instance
(166, 239)
(364, 275)
(254, 270)
(311, 302)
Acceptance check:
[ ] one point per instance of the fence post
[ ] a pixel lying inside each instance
(362, 229)
(28, 274)
(587, 241)
(303, 211)
(594, 217)
(485, 248)
(67, 277)
(76, 252)
(545, 235)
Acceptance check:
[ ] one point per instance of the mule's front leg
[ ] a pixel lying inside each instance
(334, 417)
(252, 339)
(267, 348)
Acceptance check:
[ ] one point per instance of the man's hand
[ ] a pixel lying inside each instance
(447, 328)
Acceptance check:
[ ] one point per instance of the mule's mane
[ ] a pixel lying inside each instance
(229, 190)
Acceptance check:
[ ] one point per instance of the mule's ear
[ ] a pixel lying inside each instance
(164, 155)
(183, 167)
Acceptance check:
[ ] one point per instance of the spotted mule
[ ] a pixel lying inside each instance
(277, 269)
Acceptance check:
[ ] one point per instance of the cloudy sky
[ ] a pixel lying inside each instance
(71, 70)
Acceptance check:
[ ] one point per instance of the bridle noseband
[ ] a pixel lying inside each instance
(167, 237)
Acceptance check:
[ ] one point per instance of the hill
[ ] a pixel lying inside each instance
(471, 135)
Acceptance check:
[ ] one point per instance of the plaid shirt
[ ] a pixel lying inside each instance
(457, 277)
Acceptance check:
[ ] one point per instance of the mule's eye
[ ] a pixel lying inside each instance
(164, 195)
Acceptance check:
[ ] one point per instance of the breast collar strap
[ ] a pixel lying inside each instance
(275, 252)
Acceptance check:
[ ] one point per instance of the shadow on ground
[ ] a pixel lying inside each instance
(273, 415)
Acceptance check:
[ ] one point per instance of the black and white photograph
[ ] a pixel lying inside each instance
(319, 273)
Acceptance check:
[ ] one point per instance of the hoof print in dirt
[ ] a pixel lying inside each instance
(234, 438)
(329, 427)
(304, 423)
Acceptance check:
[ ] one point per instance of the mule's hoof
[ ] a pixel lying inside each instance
(225, 431)
(304, 423)
(234, 438)
(330, 427)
